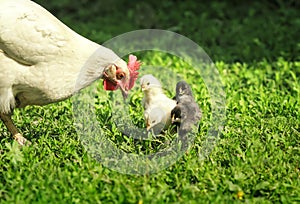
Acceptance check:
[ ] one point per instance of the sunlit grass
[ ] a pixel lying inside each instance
(256, 158)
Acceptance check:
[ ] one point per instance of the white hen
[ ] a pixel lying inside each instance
(156, 104)
(41, 59)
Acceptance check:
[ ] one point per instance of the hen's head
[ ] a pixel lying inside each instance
(121, 75)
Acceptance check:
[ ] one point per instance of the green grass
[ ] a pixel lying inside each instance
(256, 52)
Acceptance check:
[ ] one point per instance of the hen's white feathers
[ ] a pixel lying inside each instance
(41, 58)
(30, 34)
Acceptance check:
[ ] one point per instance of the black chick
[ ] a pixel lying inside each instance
(186, 114)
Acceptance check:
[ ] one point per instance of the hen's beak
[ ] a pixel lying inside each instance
(123, 90)
(107, 77)
(110, 74)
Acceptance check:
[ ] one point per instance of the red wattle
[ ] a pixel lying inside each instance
(108, 85)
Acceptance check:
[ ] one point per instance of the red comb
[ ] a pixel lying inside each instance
(133, 66)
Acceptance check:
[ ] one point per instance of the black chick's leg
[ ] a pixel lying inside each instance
(176, 116)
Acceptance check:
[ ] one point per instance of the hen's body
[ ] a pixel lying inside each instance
(41, 58)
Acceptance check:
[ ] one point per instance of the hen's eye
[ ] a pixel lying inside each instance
(153, 121)
(120, 76)
(148, 83)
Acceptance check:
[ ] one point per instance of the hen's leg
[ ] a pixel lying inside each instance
(6, 118)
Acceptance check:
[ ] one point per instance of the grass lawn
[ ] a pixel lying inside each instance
(256, 160)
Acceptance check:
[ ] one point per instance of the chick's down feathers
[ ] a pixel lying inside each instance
(187, 113)
(157, 106)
